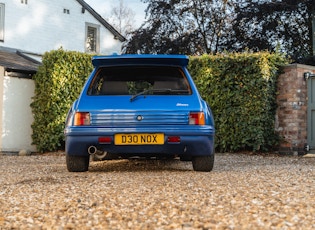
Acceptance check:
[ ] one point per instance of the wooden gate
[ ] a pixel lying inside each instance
(310, 78)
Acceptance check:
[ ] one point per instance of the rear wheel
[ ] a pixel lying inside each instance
(203, 163)
(77, 163)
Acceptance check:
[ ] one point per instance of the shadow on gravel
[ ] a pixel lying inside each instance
(224, 162)
(139, 165)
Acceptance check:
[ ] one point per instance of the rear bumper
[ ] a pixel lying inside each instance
(194, 141)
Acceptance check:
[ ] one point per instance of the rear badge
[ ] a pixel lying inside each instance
(180, 104)
(139, 118)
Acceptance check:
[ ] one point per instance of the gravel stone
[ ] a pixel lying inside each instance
(242, 192)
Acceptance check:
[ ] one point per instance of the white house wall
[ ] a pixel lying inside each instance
(44, 25)
(17, 114)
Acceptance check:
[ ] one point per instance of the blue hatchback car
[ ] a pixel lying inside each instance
(140, 105)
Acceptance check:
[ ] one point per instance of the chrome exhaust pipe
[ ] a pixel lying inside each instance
(98, 154)
(92, 150)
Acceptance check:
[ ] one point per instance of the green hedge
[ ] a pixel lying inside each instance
(241, 90)
(58, 83)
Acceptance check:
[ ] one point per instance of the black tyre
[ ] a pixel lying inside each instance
(77, 163)
(203, 163)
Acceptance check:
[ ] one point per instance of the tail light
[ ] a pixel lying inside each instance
(173, 139)
(197, 118)
(81, 118)
(105, 140)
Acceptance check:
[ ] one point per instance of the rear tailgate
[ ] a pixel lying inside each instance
(145, 110)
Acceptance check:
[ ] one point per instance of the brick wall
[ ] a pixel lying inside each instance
(291, 116)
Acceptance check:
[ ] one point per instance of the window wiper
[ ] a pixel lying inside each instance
(164, 90)
(144, 92)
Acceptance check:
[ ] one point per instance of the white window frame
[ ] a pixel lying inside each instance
(97, 38)
(1, 22)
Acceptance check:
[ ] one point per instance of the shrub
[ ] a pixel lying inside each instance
(241, 90)
(239, 87)
(58, 83)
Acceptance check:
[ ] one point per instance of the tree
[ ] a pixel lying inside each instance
(122, 18)
(211, 26)
(283, 25)
(182, 26)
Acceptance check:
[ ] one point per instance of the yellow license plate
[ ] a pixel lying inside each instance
(139, 139)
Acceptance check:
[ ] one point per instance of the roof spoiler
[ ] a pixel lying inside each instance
(143, 59)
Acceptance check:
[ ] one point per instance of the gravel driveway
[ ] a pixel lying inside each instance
(243, 192)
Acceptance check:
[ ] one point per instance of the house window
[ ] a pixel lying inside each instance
(24, 2)
(1, 22)
(92, 38)
(66, 11)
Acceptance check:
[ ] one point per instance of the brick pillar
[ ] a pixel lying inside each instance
(291, 116)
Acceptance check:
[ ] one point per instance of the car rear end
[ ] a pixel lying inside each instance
(144, 106)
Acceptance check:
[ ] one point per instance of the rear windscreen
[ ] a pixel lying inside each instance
(131, 80)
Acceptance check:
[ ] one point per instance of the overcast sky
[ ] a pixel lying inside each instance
(104, 7)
